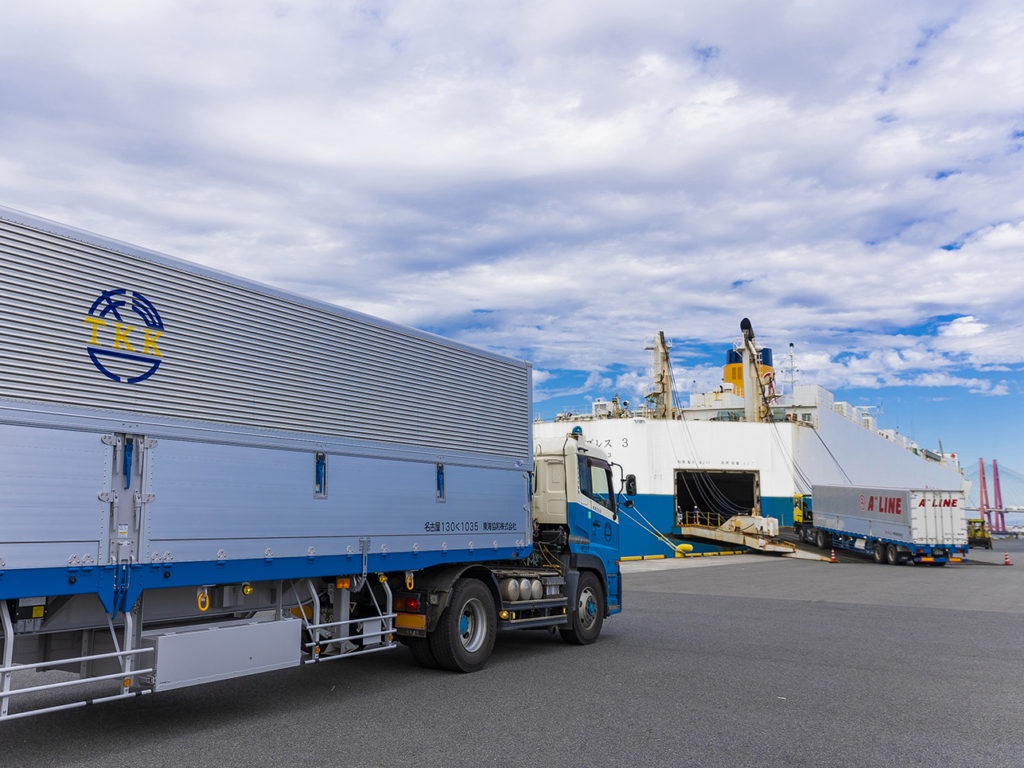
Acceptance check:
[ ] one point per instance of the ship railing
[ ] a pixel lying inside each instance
(700, 518)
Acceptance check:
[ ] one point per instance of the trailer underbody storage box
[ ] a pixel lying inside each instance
(207, 653)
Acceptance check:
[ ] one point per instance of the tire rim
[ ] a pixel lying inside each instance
(586, 609)
(472, 625)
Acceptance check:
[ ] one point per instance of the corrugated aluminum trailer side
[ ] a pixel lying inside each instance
(92, 323)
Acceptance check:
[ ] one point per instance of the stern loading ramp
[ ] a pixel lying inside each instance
(723, 507)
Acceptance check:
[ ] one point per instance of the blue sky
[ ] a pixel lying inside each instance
(560, 181)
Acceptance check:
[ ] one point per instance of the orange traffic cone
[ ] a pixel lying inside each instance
(833, 558)
(1006, 558)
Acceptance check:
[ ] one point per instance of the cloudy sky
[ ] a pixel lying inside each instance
(561, 180)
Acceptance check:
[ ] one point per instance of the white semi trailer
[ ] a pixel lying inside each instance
(202, 478)
(892, 525)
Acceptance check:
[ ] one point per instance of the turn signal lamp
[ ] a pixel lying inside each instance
(503, 615)
(342, 582)
(247, 589)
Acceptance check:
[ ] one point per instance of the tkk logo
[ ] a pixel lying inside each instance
(110, 345)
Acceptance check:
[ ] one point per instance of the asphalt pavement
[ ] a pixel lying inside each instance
(720, 662)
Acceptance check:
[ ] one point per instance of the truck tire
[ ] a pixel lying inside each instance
(464, 637)
(419, 647)
(587, 614)
(892, 555)
(822, 540)
(879, 552)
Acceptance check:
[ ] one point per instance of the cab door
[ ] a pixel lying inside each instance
(594, 519)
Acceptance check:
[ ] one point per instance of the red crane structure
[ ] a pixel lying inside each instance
(997, 500)
(994, 515)
(983, 507)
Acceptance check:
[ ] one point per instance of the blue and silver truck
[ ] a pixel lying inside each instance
(891, 525)
(204, 478)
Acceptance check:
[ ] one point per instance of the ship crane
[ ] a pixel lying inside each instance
(660, 396)
(758, 391)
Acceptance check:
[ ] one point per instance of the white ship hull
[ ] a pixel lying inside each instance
(674, 459)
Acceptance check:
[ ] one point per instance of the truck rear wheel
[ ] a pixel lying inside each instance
(892, 555)
(879, 552)
(822, 540)
(587, 615)
(464, 637)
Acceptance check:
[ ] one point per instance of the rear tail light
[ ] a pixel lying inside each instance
(408, 603)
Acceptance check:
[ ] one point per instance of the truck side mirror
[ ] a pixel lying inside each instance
(631, 485)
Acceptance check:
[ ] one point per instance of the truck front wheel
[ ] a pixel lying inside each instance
(464, 637)
(587, 614)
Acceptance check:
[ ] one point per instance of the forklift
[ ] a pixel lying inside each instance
(978, 535)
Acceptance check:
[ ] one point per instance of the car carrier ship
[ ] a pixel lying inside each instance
(740, 456)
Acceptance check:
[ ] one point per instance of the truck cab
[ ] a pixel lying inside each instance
(803, 516)
(569, 581)
(575, 507)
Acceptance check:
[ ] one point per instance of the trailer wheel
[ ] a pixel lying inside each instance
(822, 540)
(587, 614)
(464, 637)
(879, 552)
(419, 647)
(892, 555)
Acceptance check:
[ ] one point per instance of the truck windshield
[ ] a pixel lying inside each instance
(596, 481)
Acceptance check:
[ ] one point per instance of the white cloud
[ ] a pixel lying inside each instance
(539, 376)
(560, 181)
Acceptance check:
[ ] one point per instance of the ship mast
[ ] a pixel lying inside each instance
(753, 389)
(660, 397)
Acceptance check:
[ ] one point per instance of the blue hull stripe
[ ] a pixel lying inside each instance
(659, 509)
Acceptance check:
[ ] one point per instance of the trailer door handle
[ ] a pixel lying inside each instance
(129, 446)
